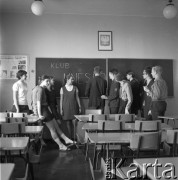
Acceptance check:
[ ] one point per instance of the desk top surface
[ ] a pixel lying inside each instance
(6, 170)
(30, 118)
(172, 161)
(174, 117)
(13, 143)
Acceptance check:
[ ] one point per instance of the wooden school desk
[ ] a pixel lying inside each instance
(163, 162)
(168, 118)
(8, 144)
(6, 170)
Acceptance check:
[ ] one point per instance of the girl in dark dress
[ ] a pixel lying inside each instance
(52, 99)
(69, 103)
(42, 110)
(147, 99)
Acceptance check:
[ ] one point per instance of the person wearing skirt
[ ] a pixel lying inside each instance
(69, 104)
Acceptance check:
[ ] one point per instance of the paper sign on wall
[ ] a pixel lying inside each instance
(11, 64)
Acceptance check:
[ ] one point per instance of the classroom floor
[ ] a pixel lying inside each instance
(57, 165)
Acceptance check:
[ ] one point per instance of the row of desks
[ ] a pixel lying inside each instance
(31, 119)
(127, 126)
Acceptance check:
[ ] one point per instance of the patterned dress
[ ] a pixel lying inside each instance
(70, 105)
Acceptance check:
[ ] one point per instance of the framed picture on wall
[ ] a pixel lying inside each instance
(105, 41)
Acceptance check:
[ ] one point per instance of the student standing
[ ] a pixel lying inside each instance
(135, 86)
(126, 96)
(20, 90)
(113, 98)
(51, 98)
(96, 87)
(41, 109)
(158, 93)
(146, 98)
(69, 103)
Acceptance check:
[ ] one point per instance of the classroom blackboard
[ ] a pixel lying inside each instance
(137, 66)
(81, 69)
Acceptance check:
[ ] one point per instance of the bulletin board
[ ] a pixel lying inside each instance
(11, 64)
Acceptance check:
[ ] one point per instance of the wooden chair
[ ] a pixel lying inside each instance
(140, 143)
(145, 142)
(98, 174)
(108, 126)
(93, 111)
(26, 173)
(97, 117)
(148, 126)
(12, 129)
(172, 139)
(125, 117)
(17, 119)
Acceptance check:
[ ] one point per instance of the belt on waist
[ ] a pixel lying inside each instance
(158, 100)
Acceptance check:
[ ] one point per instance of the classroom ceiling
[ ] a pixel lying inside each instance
(144, 8)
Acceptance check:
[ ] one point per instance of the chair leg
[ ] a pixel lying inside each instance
(86, 151)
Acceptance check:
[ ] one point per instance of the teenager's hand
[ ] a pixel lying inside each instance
(149, 112)
(104, 97)
(41, 117)
(80, 110)
(61, 112)
(126, 111)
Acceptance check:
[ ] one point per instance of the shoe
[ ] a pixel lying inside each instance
(71, 143)
(64, 148)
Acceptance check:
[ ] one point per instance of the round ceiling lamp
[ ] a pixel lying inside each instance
(38, 7)
(170, 10)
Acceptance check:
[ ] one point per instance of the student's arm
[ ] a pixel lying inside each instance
(114, 92)
(39, 98)
(15, 93)
(130, 98)
(61, 101)
(78, 100)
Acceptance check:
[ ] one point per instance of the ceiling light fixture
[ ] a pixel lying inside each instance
(38, 7)
(170, 10)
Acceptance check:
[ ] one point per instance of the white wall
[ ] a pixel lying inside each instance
(76, 36)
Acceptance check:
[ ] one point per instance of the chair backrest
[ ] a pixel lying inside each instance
(148, 126)
(17, 115)
(12, 128)
(4, 114)
(110, 125)
(17, 120)
(125, 117)
(172, 136)
(97, 117)
(91, 170)
(93, 111)
(145, 142)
